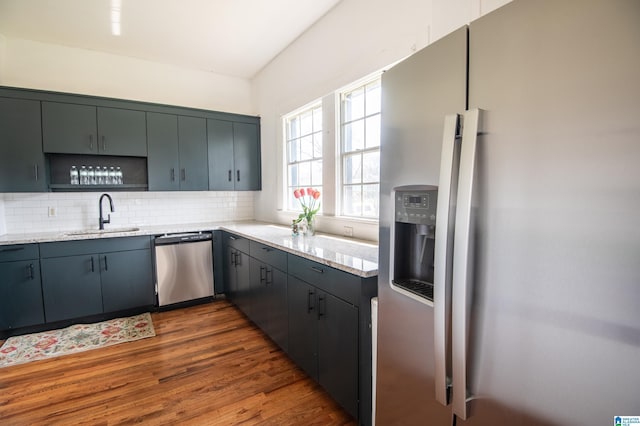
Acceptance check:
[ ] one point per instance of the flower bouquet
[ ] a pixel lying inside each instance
(310, 206)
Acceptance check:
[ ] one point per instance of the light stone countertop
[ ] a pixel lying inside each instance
(347, 254)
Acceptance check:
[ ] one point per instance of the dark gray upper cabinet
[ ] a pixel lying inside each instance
(177, 157)
(86, 129)
(21, 158)
(162, 161)
(192, 141)
(122, 132)
(234, 156)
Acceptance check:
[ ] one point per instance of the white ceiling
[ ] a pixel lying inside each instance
(230, 37)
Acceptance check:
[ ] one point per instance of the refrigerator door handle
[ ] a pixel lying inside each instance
(463, 264)
(443, 256)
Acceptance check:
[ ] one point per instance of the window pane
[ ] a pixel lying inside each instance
(306, 123)
(293, 175)
(317, 119)
(352, 169)
(353, 136)
(317, 145)
(373, 131)
(370, 201)
(304, 170)
(371, 167)
(293, 151)
(294, 128)
(316, 173)
(306, 148)
(373, 97)
(351, 200)
(353, 105)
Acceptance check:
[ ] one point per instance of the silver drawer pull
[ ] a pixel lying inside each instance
(318, 270)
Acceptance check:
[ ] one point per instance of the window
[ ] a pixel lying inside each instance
(360, 150)
(304, 152)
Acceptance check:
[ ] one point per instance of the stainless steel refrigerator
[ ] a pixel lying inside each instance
(509, 265)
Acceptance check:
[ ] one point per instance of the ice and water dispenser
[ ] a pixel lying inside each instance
(412, 241)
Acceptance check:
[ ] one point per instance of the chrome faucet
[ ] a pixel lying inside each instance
(102, 221)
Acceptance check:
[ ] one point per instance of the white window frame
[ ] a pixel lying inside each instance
(289, 201)
(342, 155)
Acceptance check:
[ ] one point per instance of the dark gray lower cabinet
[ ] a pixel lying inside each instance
(126, 279)
(323, 340)
(89, 277)
(269, 300)
(71, 287)
(20, 289)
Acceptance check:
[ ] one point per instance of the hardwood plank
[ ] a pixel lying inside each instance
(207, 365)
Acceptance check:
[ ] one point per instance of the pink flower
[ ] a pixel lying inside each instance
(297, 194)
(316, 195)
(302, 192)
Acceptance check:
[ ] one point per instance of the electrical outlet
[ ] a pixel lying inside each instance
(348, 231)
(53, 212)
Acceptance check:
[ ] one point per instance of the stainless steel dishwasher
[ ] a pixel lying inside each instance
(184, 267)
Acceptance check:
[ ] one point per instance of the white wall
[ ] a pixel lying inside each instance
(29, 213)
(36, 65)
(356, 38)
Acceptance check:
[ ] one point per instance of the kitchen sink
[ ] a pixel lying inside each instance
(102, 231)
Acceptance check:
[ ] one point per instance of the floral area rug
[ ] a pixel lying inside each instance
(76, 338)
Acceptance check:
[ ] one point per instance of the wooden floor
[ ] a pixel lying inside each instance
(207, 365)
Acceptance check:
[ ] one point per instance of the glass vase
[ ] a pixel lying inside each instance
(310, 229)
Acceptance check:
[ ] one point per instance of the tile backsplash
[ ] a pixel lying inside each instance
(51, 212)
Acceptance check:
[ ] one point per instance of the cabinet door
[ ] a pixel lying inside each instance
(246, 155)
(243, 283)
(69, 128)
(230, 278)
(259, 294)
(277, 308)
(162, 160)
(192, 137)
(122, 132)
(21, 157)
(20, 294)
(338, 350)
(71, 287)
(303, 342)
(126, 280)
(220, 143)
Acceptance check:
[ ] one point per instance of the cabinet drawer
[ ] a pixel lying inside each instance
(341, 284)
(18, 252)
(269, 255)
(236, 242)
(100, 245)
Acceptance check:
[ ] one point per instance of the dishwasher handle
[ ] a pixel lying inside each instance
(183, 238)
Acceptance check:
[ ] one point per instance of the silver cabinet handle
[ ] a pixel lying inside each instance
(443, 255)
(263, 274)
(11, 249)
(106, 265)
(91, 142)
(238, 173)
(173, 174)
(184, 174)
(462, 260)
(268, 276)
(93, 268)
(318, 270)
(229, 175)
(321, 303)
(31, 271)
(35, 171)
(104, 143)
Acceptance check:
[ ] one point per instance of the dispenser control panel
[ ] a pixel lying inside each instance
(416, 207)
